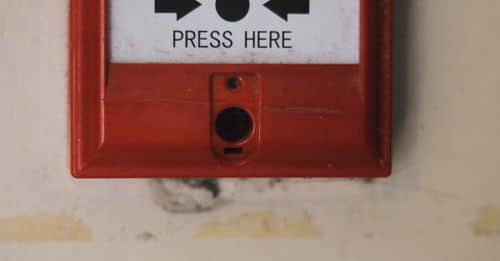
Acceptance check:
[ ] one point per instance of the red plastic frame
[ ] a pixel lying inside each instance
(154, 120)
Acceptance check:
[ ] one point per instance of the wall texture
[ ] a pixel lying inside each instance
(442, 203)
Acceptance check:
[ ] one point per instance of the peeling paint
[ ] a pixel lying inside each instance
(488, 221)
(261, 225)
(185, 195)
(43, 227)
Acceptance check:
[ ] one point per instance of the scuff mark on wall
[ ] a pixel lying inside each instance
(198, 195)
(43, 227)
(261, 225)
(488, 221)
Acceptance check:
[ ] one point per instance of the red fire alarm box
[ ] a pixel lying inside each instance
(230, 88)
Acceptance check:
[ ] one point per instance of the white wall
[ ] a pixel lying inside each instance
(442, 203)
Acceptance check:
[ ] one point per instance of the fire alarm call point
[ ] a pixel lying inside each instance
(230, 88)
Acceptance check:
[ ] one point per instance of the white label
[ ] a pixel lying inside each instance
(235, 31)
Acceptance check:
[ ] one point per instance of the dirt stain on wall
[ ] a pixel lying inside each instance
(43, 227)
(145, 236)
(261, 225)
(488, 221)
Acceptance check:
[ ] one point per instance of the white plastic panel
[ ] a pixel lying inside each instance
(319, 31)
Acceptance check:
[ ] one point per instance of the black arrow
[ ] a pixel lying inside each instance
(285, 7)
(180, 7)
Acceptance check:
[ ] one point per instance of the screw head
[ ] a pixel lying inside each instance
(233, 83)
